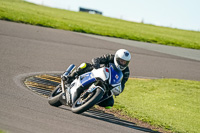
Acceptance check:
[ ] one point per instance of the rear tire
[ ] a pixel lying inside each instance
(54, 97)
(79, 106)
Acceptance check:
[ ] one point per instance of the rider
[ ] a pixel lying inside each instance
(121, 60)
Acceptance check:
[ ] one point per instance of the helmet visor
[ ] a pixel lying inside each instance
(122, 63)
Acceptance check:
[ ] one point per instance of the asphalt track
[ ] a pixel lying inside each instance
(27, 50)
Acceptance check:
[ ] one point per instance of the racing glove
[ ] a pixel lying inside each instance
(96, 65)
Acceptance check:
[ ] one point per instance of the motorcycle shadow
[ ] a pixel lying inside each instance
(103, 116)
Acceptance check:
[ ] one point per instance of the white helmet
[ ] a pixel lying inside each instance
(122, 59)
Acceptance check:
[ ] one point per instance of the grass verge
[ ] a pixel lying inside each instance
(24, 12)
(168, 103)
(1, 131)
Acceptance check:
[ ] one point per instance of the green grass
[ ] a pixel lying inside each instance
(24, 12)
(168, 103)
(2, 131)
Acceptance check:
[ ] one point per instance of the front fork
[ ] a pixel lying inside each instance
(66, 90)
(63, 86)
(66, 93)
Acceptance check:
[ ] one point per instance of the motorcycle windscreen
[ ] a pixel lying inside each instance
(115, 76)
(87, 79)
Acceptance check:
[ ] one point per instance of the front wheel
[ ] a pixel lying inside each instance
(87, 100)
(54, 97)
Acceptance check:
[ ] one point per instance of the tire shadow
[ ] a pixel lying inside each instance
(110, 118)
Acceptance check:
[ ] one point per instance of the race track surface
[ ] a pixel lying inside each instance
(27, 50)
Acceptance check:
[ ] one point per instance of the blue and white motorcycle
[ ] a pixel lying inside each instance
(87, 89)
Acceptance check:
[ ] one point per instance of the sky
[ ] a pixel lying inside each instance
(181, 14)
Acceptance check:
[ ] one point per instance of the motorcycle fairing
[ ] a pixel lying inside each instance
(101, 73)
(115, 76)
(87, 78)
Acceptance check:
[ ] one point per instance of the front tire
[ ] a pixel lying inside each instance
(84, 103)
(54, 97)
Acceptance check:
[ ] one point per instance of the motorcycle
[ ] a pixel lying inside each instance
(88, 89)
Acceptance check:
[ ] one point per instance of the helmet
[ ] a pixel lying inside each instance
(122, 59)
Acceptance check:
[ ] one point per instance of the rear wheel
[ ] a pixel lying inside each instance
(54, 97)
(87, 100)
